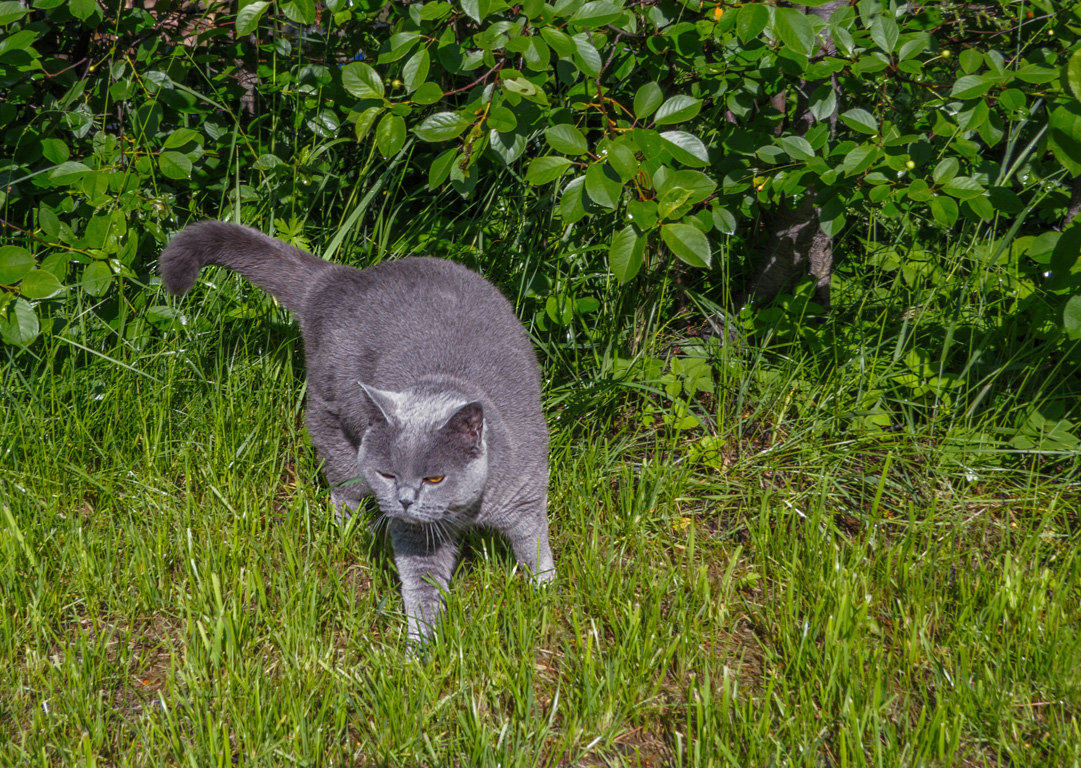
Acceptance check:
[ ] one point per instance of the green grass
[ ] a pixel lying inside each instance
(173, 590)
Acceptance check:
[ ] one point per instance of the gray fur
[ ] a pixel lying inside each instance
(417, 368)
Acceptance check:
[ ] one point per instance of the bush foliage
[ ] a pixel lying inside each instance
(940, 144)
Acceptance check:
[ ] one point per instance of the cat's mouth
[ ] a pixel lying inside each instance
(415, 516)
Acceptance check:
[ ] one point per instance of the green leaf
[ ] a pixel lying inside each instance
(174, 165)
(944, 210)
(520, 86)
(686, 148)
(831, 216)
(971, 59)
(1005, 200)
(696, 185)
(647, 99)
(797, 147)
(390, 135)
(672, 200)
(39, 284)
(537, 54)
(366, 120)
(49, 222)
(823, 102)
(571, 205)
(560, 309)
(566, 138)
(1035, 74)
(970, 86)
(649, 142)
(442, 126)
(427, 93)
(267, 160)
(19, 325)
(724, 221)
(981, 206)
(400, 44)
(793, 28)
(1065, 136)
(919, 191)
(596, 13)
(1073, 73)
(884, 32)
(300, 11)
(501, 119)
(644, 213)
(11, 10)
(586, 55)
(509, 146)
(15, 262)
(83, 9)
(688, 243)
(625, 254)
(415, 71)
(752, 19)
(543, 170)
(68, 173)
(248, 18)
(361, 81)
(476, 9)
(440, 169)
(860, 120)
(1071, 317)
(963, 188)
(55, 150)
(18, 41)
(859, 159)
(97, 277)
(560, 42)
(603, 185)
(678, 109)
(622, 159)
(946, 170)
(180, 137)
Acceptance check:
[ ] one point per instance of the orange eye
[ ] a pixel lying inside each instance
(435, 480)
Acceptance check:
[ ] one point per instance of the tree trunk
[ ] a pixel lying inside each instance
(795, 243)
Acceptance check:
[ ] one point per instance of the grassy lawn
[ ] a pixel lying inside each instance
(174, 590)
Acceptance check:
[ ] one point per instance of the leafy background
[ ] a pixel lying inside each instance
(934, 149)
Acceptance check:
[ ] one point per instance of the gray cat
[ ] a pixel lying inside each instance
(423, 391)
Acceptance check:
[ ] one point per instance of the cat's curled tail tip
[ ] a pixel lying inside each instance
(185, 255)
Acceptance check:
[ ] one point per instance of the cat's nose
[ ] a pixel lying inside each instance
(406, 503)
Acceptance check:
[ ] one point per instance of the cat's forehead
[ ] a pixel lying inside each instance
(421, 413)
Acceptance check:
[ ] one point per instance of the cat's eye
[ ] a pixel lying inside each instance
(387, 475)
(434, 479)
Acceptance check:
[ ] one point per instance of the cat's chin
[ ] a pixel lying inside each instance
(415, 519)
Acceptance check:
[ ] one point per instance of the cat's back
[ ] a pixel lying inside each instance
(418, 316)
(426, 294)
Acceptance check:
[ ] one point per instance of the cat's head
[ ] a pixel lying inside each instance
(424, 455)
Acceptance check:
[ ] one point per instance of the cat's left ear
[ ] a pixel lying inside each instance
(466, 427)
(386, 402)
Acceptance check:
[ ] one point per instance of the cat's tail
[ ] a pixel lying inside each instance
(279, 269)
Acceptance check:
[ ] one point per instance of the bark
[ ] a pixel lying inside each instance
(1075, 202)
(795, 243)
(795, 247)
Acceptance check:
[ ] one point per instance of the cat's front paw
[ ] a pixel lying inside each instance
(544, 578)
(344, 508)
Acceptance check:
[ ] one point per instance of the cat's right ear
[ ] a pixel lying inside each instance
(385, 402)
